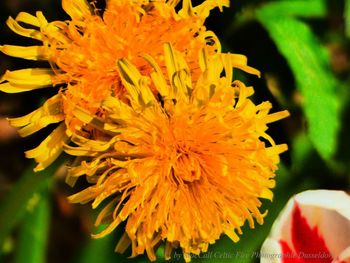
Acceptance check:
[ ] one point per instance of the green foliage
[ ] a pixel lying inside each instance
(301, 8)
(17, 202)
(33, 237)
(302, 149)
(100, 250)
(310, 65)
(347, 17)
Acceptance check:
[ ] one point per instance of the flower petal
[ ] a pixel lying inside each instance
(325, 213)
(31, 53)
(76, 9)
(28, 19)
(18, 29)
(48, 151)
(270, 251)
(178, 74)
(50, 112)
(135, 83)
(344, 256)
(26, 79)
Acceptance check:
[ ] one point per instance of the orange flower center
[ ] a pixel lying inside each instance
(182, 145)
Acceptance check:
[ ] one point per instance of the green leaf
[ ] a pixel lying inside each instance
(101, 250)
(301, 8)
(347, 18)
(301, 151)
(97, 250)
(15, 204)
(34, 231)
(285, 8)
(310, 66)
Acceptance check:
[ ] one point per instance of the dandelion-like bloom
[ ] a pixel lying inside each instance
(83, 54)
(184, 168)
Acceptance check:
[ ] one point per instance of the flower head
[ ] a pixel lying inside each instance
(184, 168)
(314, 226)
(83, 54)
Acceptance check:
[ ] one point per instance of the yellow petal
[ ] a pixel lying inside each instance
(227, 63)
(18, 29)
(48, 151)
(187, 9)
(106, 211)
(135, 83)
(94, 121)
(211, 66)
(203, 9)
(170, 60)
(167, 251)
(277, 149)
(187, 257)
(118, 109)
(50, 112)
(31, 52)
(108, 229)
(157, 77)
(173, 3)
(240, 62)
(79, 151)
(41, 19)
(11, 88)
(203, 59)
(123, 243)
(267, 194)
(28, 19)
(29, 77)
(232, 235)
(178, 73)
(76, 9)
(84, 196)
(276, 116)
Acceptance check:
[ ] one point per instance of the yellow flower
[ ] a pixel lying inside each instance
(83, 54)
(184, 168)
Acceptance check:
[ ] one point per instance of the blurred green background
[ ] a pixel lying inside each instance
(302, 48)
